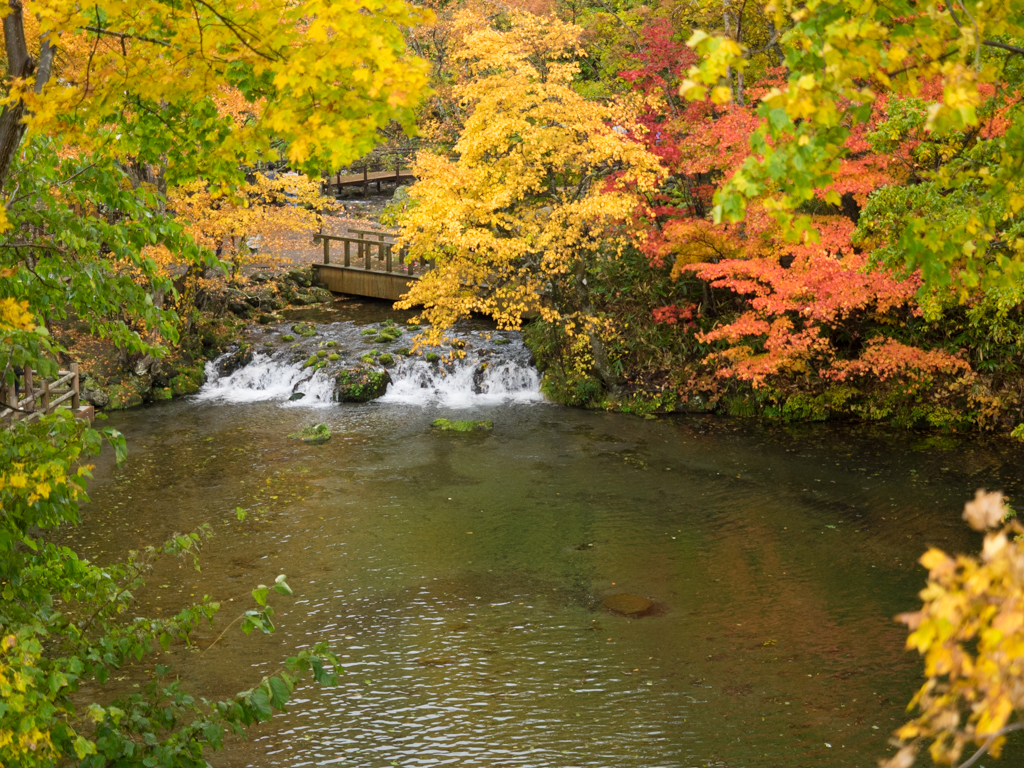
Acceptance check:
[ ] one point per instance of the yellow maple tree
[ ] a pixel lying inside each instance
(970, 632)
(541, 181)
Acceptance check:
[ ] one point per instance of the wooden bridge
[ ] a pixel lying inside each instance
(367, 265)
(332, 185)
(42, 397)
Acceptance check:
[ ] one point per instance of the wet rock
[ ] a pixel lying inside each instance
(142, 366)
(128, 393)
(299, 277)
(446, 425)
(240, 358)
(304, 329)
(315, 435)
(188, 381)
(478, 378)
(320, 295)
(94, 393)
(359, 385)
(627, 604)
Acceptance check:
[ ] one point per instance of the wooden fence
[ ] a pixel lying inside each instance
(36, 396)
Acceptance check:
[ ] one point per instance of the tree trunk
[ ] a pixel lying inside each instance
(602, 365)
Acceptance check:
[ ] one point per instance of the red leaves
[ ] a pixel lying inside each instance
(674, 313)
(886, 358)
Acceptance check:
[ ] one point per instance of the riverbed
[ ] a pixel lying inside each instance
(460, 577)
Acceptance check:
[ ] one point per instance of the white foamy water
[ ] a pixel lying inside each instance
(462, 385)
(488, 374)
(266, 379)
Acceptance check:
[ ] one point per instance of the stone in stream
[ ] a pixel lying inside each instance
(320, 433)
(358, 385)
(240, 358)
(446, 425)
(627, 604)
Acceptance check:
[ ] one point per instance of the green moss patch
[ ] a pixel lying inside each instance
(318, 433)
(446, 425)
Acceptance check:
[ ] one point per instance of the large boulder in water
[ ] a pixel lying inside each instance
(358, 385)
(626, 604)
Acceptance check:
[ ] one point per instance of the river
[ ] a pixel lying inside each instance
(460, 577)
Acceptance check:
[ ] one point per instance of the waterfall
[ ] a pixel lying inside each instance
(494, 368)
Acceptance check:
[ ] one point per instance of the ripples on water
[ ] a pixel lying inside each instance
(459, 577)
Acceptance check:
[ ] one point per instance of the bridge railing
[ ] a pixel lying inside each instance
(37, 396)
(389, 258)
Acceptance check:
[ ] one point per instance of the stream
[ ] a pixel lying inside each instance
(461, 577)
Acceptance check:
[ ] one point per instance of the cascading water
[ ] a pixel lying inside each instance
(493, 368)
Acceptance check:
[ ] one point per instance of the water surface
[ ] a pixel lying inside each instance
(460, 577)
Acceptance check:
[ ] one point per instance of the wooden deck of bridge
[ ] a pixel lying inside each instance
(367, 265)
(334, 184)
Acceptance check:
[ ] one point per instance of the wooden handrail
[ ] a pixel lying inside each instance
(48, 393)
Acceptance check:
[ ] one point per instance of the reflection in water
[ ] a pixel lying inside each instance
(461, 577)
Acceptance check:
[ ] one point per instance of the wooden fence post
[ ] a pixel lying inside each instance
(327, 251)
(46, 396)
(76, 387)
(28, 390)
(347, 253)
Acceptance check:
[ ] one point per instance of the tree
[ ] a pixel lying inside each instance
(534, 200)
(842, 58)
(970, 631)
(105, 107)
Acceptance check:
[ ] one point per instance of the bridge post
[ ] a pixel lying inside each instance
(387, 256)
(347, 244)
(366, 254)
(327, 251)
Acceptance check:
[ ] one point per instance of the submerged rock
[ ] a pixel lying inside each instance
(627, 604)
(359, 385)
(445, 425)
(317, 434)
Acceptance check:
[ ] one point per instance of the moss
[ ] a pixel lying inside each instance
(360, 385)
(369, 358)
(321, 353)
(304, 329)
(499, 340)
(446, 425)
(413, 327)
(431, 357)
(128, 394)
(331, 343)
(268, 344)
(311, 361)
(287, 337)
(369, 332)
(334, 356)
(391, 332)
(188, 380)
(163, 393)
(403, 351)
(386, 360)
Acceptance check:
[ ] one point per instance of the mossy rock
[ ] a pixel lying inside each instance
(390, 332)
(413, 327)
(237, 359)
(386, 360)
(265, 319)
(163, 393)
(320, 295)
(288, 337)
(268, 344)
(128, 394)
(403, 351)
(446, 425)
(331, 343)
(304, 329)
(321, 353)
(368, 332)
(188, 381)
(360, 385)
(500, 340)
(311, 361)
(369, 358)
(334, 356)
(431, 357)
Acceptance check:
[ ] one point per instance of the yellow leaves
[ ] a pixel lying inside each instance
(14, 315)
(528, 197)
(970, 631)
